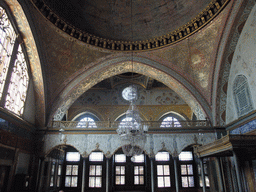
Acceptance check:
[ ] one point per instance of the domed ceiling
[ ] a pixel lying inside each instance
(111, 19)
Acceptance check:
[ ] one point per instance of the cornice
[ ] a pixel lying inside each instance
(201, 20)
(226, 145)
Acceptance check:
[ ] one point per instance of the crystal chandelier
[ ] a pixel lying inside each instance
(132, 133)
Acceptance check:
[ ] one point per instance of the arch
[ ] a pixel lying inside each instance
(144, 66)
(61, 145)
(242, 95)
(34, 60)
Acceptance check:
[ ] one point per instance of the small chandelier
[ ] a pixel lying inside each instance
(132, 133)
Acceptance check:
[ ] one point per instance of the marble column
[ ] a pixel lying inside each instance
(202, 174)
(175, 159)
(237, 171)
(152, 174)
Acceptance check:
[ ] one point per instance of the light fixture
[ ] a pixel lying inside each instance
(132, 133)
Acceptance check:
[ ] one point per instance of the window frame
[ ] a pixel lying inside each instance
(103, 173)
(13, 56)
(194, 169)
(170, 163)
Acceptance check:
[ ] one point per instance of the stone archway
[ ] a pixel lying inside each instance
(140, 65)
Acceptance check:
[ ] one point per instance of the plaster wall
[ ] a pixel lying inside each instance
(243, 63)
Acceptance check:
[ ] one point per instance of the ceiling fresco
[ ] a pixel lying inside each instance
(67, 62)
(112, 19)
(194, 57)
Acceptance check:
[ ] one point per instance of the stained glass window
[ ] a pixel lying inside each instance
(17, 91)
(7, 40)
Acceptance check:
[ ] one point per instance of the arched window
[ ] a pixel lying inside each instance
(87, 121)
(14, 78)
(170, 121)
(242, 96)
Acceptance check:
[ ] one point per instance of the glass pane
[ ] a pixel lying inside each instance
(7, 38)
(120, 158)
(58, 182)
(51, 182)
(207, 181)
(200, 181)
(91, 181)
(118, 170)
(141, 180)
(160, 170)
(184, 181)
(73, 156)
(68, 169)
(75, 170)
(141, 170)
(136, 170)
(87, 122)
(167, 182)
(122, 180)
(98, 182)
(191, 181)
(122, 170)
(190, 169)
(98, 170)
(162, 156)
(53, 169)
(186, 156)
(183, 170)
(118, 180)
(139, 159)
(17, 90)
(205, 169)
(74, 182)
(92, 170)
(170, 122)
(59, 170)
(96, 156)
(166, 170)
(136, 180)
(160, 181)
(68, 182)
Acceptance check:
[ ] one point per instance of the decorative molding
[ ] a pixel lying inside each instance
(201, 20)
(226, 145)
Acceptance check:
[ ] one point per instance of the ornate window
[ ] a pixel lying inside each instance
(170, 121)
(87, 121)
(17, 91)
(242, 96)
(14, 78)
(7, 40)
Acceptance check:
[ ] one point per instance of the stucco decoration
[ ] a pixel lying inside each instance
(108, 144)
(239, 14)
(113, 112)
(34, 60)
(114, 97)
(197, 53)
(107, 70)
(243, 63)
